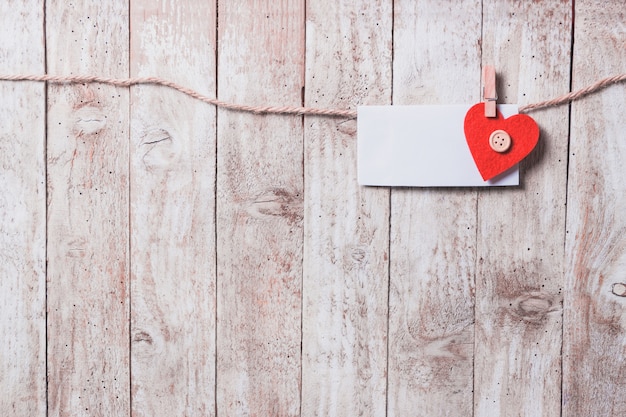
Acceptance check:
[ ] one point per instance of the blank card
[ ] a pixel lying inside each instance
(420, 146)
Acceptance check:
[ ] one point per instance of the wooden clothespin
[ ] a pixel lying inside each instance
(489, 90)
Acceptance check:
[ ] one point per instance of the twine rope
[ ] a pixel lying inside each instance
(296, 111)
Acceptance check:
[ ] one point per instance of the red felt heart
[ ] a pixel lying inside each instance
(522, 129)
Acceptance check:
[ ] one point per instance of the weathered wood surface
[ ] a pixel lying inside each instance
(346, 228)
(594, 338)
(172, 209)
(22, 214)
(520, 231)
(433, 232)
(88, 229)
(204, 262)
(259, 209)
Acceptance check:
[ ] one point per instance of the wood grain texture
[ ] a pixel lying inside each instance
(521, 230)
(172, 201)
(265, 282)
(595, 318)
(346, 253)
(259, 209)
(22, 214)
(433, 232)
(87, 157)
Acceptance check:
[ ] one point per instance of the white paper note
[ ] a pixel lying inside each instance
(420, 146)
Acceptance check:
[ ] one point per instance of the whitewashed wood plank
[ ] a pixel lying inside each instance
(88, 130)
(259, 209)
(521, 231)
(22, 214)
(433, 232)
(172, 199)
(595, 318)
(346, 248)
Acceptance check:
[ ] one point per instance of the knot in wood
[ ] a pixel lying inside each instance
(278, 202)
(619, 289)
(161, 151)
(89, 120)
(534, 307)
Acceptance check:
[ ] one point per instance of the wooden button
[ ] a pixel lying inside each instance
(500, 141)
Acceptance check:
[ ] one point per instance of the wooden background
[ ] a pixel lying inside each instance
(159, 257)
